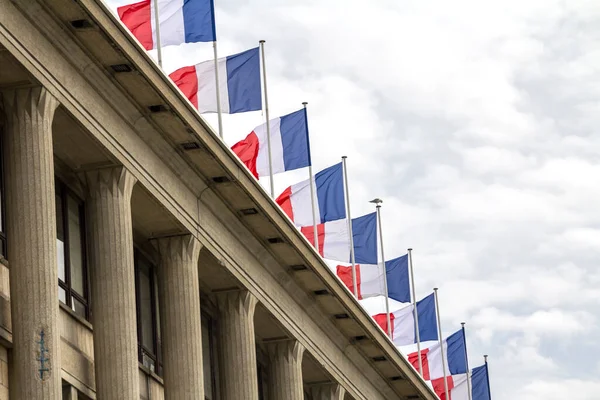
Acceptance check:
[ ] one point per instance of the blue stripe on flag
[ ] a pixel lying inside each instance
(397, 279)
(364, 230)
(198, 21)
(294, 138)
(479, 383)
(457, 353)
(427, 319)
(330, 193)
(243, 81)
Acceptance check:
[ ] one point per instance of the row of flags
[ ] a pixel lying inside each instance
(318, 206)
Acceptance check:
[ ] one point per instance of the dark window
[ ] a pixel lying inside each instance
(262, 382)
(147, 314)
(208, 358)
(70, 250)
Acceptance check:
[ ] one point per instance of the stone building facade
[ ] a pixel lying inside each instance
(140, 259)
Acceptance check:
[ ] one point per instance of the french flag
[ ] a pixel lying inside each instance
(239, 83)
(334, 239)
(180, 21)
(458, 388)
(403, 323)
(295, 201)
(369, 279)
(289, 145)
(455, 357)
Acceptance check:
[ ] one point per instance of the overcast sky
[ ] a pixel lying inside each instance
(476, 122)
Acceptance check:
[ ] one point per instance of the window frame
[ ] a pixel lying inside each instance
(155, 353)
(63, 191)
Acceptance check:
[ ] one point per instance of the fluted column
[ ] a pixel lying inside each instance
(181, 330)
(113, 283)
(285, 370)
(238, 346)
(31, 229)
(328, 391)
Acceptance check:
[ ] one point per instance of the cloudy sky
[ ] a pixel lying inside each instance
(475, 121)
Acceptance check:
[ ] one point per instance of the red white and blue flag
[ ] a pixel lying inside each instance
(455, 357)
(404, 327)
(369, 279)
(334, 239)
(239, 83)
(458, 388)
(289, 145)
(180, 21)
(295, 201)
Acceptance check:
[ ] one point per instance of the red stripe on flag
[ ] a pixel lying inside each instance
(381, 320)
(285, 202)
(440, 390)
(413, 358)
(345, 275)
(136, 18)
(187, 81)
(247, 151)
(309, 233)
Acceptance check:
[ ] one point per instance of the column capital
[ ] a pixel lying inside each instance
(291, 349)
(117, 181)
(237, 300)
(285, 369)
(30, 101)
(327, 391)
(178, 247)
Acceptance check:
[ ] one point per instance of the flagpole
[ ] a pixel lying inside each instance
(311, 182)
(157, 31)
(264, 76)
(352, 258)
(415, 311)
(219, 113)
(467, 362)
(487, 375)
(385, 285)
(437, 313)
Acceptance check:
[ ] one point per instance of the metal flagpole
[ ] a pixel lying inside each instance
(347, 195)
(487, 375)
(415, 311)
(264, 76)
(385, 285)
(157, 23)
(219, 114)
(311, 183)
(437, 312)
(467, 362)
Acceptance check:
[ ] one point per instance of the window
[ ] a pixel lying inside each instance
(70, 251)
(70, 393)
(208, 358)
(147, 314)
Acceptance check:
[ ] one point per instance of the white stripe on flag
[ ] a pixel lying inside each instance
(434, 358)
(371, 281)
(404, 326)
(172, 29)
(336, 244)
(262, 161)
(302, 206)
(207, 94)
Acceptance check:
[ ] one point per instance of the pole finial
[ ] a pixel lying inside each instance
(261, 41)
(410, 249)
(344, 157)
(435, 289)
(463, 324)
(304, 103)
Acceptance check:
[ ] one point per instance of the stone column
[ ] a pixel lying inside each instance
(31, 227)
(328, 391)
(113, 283)
(181, 329)
(237, 346)
(285, 370)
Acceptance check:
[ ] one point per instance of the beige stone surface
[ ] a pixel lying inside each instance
(237, 345)
(285, 370)
(31, 226)
(113, 282)
(328, 391)
(179, 300)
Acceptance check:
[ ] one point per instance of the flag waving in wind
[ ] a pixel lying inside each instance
(180, 21)
(334, 239)
(239, 83)
(459, 389)
(289, 145)
(295, 201)
(403, 323)
(455, 357)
